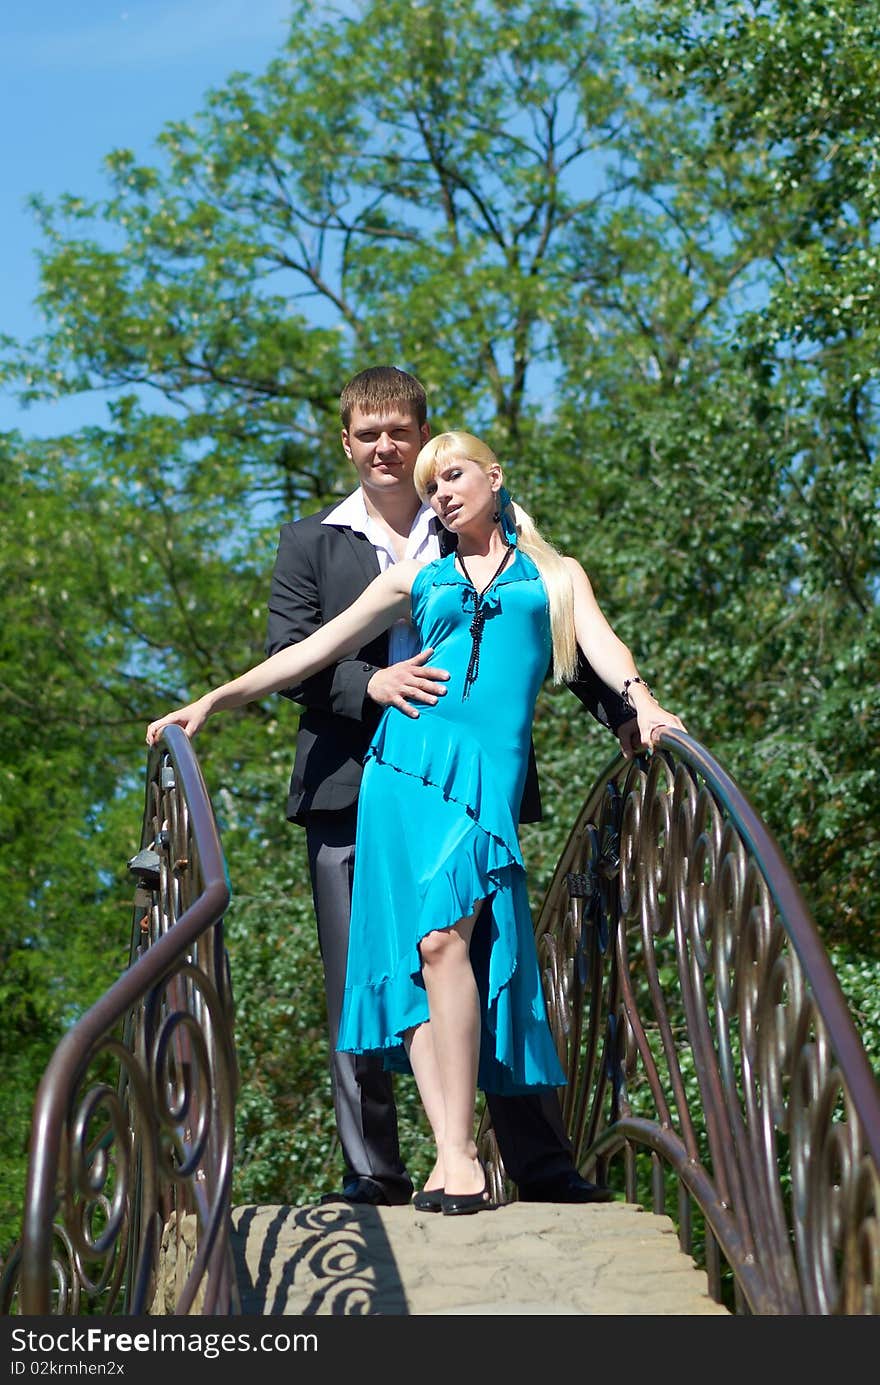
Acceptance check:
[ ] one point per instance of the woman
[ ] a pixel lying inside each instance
(442, 971)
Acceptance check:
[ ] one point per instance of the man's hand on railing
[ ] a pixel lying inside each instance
(628, 735)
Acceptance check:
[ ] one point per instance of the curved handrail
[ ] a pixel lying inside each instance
(694, 1008)
(132, 1130)
(699, 1020)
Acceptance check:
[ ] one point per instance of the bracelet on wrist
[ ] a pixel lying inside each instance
(628, 683)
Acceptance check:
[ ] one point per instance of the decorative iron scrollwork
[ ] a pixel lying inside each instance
(713, 1066)
(133, 1124)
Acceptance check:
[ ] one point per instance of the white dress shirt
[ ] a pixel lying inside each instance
(423, 544)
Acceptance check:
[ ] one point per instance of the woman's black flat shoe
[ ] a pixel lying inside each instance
(428, 1201)
(456, 1204)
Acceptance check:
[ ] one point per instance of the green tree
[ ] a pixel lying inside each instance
(67, 813)
(362, 199)
(769, 406)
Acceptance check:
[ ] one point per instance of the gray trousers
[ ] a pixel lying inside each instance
(363, 1098)
(529, 1129)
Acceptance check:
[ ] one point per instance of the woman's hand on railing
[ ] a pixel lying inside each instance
(653, 719)
(192, 718)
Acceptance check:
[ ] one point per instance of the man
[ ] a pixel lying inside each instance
(323, 564)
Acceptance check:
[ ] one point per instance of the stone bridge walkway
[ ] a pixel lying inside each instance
(523, 1259)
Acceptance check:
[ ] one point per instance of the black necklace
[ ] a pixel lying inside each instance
(478, 620)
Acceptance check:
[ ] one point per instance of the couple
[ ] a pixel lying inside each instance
(441, 970)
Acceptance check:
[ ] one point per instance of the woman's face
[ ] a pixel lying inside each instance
(462, 494)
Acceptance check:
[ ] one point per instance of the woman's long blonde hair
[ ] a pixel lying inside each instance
(546, 558)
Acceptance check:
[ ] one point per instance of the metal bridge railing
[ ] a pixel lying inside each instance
(713, 1065)
(132, 1133)
(714, 1069)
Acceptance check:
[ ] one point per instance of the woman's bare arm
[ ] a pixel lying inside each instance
(385, 600)
(612, 659)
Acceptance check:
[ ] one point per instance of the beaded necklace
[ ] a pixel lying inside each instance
(478, 620)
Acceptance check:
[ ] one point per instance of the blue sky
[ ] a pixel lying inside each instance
(79, 78)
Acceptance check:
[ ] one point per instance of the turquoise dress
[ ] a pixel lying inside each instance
(437, 831)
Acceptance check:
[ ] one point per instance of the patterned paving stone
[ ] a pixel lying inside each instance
(524, 1258)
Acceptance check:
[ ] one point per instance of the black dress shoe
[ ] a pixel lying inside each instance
(371, 1192)
(456, 1204)
(564, 1187)
(428, 1200)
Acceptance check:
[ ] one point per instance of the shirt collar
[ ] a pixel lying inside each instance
(351, 513)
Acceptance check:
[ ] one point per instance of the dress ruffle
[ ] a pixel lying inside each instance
(453, 842)
(455, 763)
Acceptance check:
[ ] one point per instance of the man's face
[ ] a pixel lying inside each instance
(383, 448)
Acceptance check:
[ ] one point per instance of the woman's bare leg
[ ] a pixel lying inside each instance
(454, 1008)
(419, 1044)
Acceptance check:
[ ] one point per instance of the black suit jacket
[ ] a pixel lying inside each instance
(320, 569)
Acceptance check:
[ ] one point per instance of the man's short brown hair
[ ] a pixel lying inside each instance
(380, 388)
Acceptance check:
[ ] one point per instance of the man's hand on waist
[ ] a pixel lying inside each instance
(412, 680)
